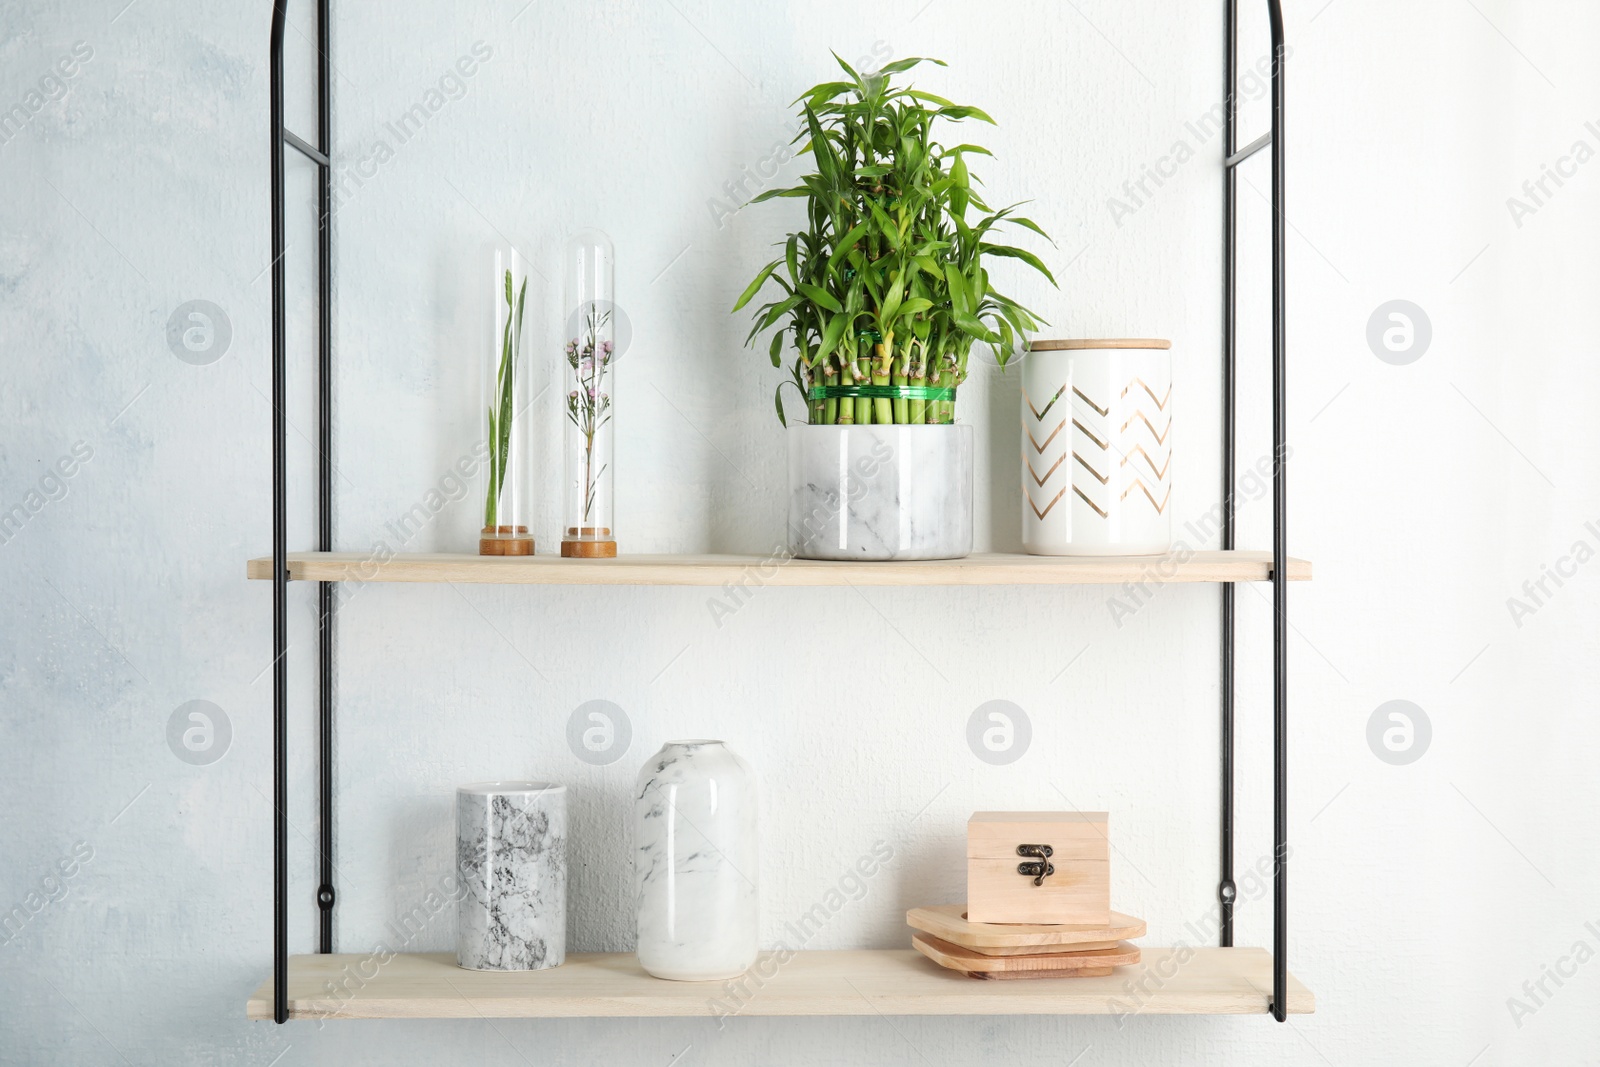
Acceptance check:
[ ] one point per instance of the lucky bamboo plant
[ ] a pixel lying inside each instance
(886, 290)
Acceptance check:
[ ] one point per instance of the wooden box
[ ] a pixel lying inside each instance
(1076, 891)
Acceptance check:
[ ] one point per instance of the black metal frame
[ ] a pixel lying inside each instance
(1233, 156)
(321, 154)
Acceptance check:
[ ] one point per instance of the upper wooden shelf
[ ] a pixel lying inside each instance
(980, 569)
(1207, 981)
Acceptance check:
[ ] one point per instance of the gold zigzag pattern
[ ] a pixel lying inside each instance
(1160, 472)
(1090, 434)
(1037, 447)
(1037, 414)
(1079, 394)
(1161, 402)
(1053, 502)
(1137, 484)
(1161, 436)
(1102, 478)
(1038, 479)
(1091, 503)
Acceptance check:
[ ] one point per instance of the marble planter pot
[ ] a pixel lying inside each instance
(511, 860)
(695, 863)
(880, 492)
(1097, 451)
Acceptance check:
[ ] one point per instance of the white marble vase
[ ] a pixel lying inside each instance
(511, 860)
(695, 863)
(1097, 451)
(880, 492)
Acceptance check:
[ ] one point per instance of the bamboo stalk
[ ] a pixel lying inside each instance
(917, 409)
(882, 410)
(862, 404)
(898, 375)
(830, 406)
(847, 407)
(947, 408)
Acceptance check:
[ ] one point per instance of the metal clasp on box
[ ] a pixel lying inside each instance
(1042, 868)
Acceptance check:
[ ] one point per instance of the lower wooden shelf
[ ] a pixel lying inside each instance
(1206, 981)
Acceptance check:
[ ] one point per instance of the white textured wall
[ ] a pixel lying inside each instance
(1424, 895)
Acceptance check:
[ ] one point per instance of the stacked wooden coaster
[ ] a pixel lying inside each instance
(1038, 901)
(1022, 950)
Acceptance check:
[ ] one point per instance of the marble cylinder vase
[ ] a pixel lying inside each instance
(880, 492)
(695, 863)
(511, 860)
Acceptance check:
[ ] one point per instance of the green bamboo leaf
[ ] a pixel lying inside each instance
(891, 302)
(834, 333)
(960, 190)
(958, 290)
(821, 296)
(1019, 253)
(891, 232)
(959, 113)
(899, 66)
(777, 349)
(776, 311)
(755, 286)
(828, 162)
(847, 245)
(818, 95)
(975, 328)
(1029, 224)
(772, 194)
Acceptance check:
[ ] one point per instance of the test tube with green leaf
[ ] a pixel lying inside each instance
(506, 455)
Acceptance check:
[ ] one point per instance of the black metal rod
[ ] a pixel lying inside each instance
(1280, 541)
(280, 546)
(325, 599)
(316, 155)
(1236, 158)
(1227, 891)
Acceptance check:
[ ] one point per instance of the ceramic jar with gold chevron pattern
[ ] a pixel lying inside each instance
(1097, 448)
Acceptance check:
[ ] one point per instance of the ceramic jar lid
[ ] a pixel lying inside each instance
(1040, 345)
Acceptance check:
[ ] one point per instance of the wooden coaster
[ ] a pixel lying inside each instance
(1096, 963)
(589, 549)
(588, 542)
(505, 541)
(948, 922)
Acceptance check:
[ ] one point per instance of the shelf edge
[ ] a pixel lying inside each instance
(716, 571)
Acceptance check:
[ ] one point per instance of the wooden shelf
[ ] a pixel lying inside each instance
(982, 569)
(1211, 981)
